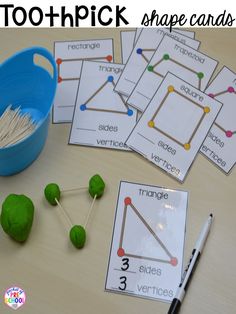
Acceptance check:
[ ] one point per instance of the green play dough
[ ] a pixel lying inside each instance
(96, 186)
(52, 192)
(78, 236)
(17, 216)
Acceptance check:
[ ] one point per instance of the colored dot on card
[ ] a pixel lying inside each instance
(207, 109)
(120, 252)
(151, 124)
(187, 146)
(174, 261)
(110, 78)
(109, 58)
(59, 79)
(230, 89)
(200, 75)
(171, 89)
(139, 51)
(127, 201)
(229, 133)
(150, 68)
(130, 112)
(59, 61)
(166, 57)
(211, 95)
(83, 107)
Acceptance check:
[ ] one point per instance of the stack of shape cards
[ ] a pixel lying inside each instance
(189, 34)
(69, 56)
(177, 58)
(146, 255)
(101, 117)
(174, 126)
(184, 32)
(220, 144)
(144, 49)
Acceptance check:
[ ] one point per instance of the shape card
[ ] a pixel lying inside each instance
(146, 254)
(69, 56)
(144, 49)
(127, 44)
(137, 34)
(220, 144)
(189, 34)
(174, 126)
(172, 56)
(102, 117)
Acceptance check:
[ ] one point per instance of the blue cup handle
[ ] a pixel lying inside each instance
(25, 59)
(46, 54)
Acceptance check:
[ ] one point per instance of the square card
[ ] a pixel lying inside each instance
(172, 56)
(144, 49)
(69, 56)
(220, 144)
(146, 255)
(101, 117)
(127, 44)
(174, 125)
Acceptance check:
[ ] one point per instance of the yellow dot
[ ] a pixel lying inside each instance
(187, 146)
(207, 109)
(171, 89)
(151, 124)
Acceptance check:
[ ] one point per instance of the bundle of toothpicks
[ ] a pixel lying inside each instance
(14, 126)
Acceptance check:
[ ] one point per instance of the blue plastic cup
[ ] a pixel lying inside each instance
(30, 86)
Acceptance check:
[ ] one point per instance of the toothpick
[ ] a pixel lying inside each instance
(14, 126)
(66, 215)
(75, 189)
(90, 212)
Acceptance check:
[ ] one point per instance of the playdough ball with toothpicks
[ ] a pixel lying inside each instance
(17, 216)
(78, 236)
(96, 186)
(52, 192)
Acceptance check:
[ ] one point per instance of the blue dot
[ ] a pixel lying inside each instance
(130, 112)
(110, 78)
(83, 107)
(139, 51)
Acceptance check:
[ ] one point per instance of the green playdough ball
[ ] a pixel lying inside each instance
(96, 186)
(17, 216)
(78, 236)
(52, 192)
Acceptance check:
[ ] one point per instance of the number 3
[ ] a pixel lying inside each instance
(123, 282)
(125, 263)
